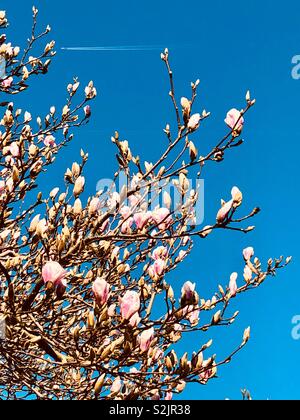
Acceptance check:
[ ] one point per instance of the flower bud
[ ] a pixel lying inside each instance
(101, 291)
(130, 304)
(232, 284)
(79, 186)
(53, 272)
(194, 122)
(248, 253)
(145, 339)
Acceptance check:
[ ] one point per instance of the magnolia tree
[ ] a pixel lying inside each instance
(86, 306)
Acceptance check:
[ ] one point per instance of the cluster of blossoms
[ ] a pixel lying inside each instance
(127, 312)
(90, 309)
(140, 220)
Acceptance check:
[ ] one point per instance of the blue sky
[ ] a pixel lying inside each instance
(231, 48)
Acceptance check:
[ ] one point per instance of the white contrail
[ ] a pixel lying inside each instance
(117, 48)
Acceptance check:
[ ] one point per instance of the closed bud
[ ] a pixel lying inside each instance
(168, 363)
(33, 150)
(183, 182)
(79, 186)
(167, 200)
(199, 360)
(34, 223)
(65, 111)
(77, 206)
(170, 293)
(91, 320)
(41, 228)
(75, 169)
(54, 192)
(216, 318)
(180, 387)
(99, 384)
(15, 174)
(246, 335)
(193, 151)
(61, 197)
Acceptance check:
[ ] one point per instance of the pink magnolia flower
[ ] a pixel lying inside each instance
(116, 386)
(130, 304)
(224, 211)
(235, 193)
(14, 149)
(79, 186)
(135, 198)
(7, 82)
(145, 339)
(157, 269)
(236, 200)
(53, 272)
(169, 396)
(247, 273)
(237, 196)
(49, 141)
(232, 284)
(160, 252)
(101, 290)
(194, 122)
(135, 320)
(207, 374)
(248, 253)
(142, 218)
(162, 217)
(234, 120)
(188, 290)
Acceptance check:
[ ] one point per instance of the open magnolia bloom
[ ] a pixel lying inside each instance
(90, 300)
(235, 120)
